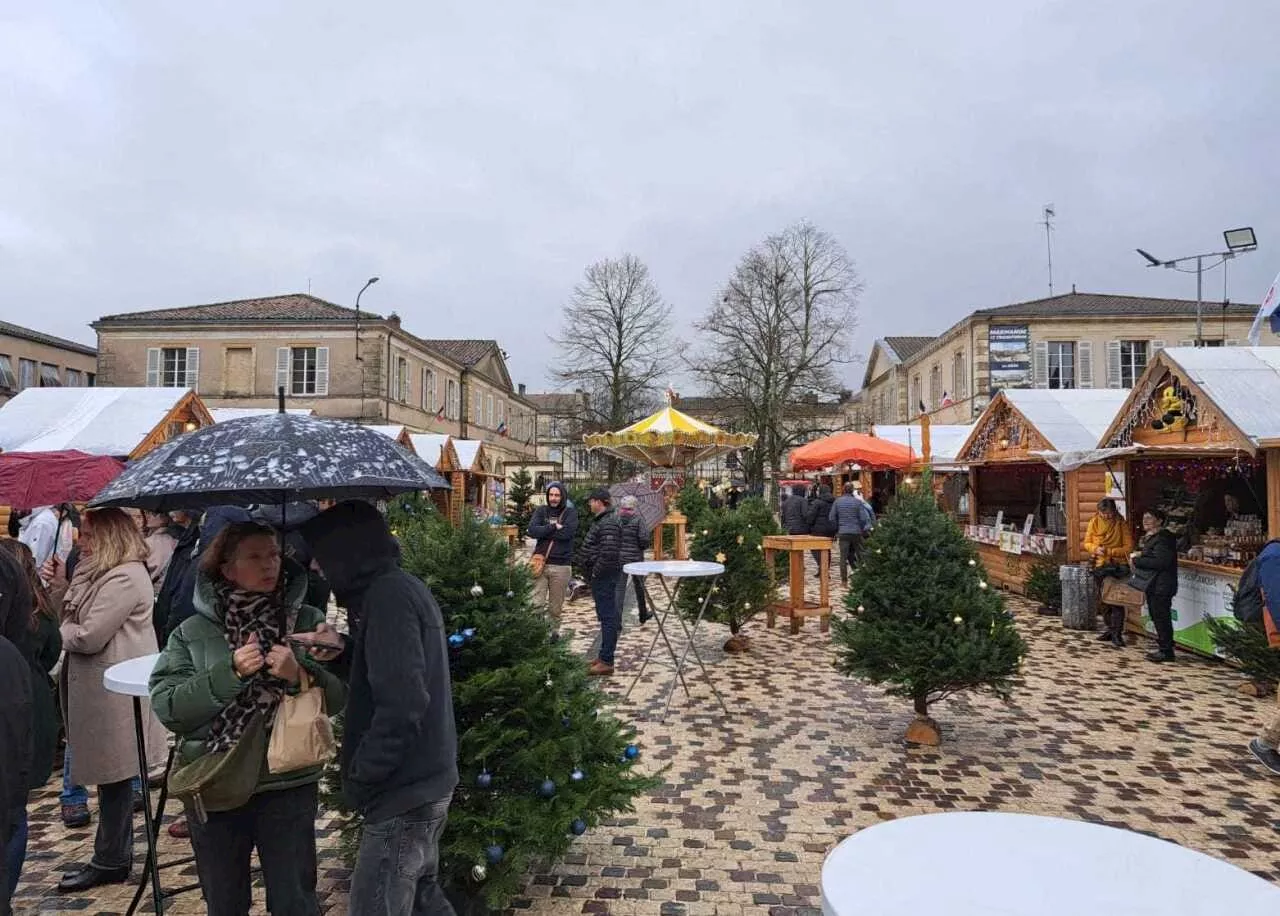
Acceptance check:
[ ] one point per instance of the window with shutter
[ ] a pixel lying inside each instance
(1040, 364)
(192, 380)
(308, 371)
(172, 367)
(1062, 364)
(1133, 361)
(488, 411)
(153, 367)
(1156, 347)
(282, 369)
(1113, 364)
(322, 371)
(1084, 356)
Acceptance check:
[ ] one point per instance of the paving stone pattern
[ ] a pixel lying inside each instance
(754, 800)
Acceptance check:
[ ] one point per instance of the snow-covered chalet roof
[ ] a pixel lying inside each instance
(96, 421)
(944, 440)
(1072, 419)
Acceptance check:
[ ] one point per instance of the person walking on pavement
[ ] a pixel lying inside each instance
(554, 526)
(602, 561)
(1266, 747)
(399, 746)
(632, 542)
(794, 508)
(819, 522)
(854, 520)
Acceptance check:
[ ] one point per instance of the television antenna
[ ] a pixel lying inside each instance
(1048, 214)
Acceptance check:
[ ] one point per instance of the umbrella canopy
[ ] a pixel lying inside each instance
(278, 458)
(651, 504)
(30, 479)
(852, 448)
(669, 439)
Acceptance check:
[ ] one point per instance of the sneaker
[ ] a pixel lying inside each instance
(75, 816)
(1269, 757)
(1155, 655)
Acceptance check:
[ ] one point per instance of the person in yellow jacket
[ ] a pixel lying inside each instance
(1108, 542)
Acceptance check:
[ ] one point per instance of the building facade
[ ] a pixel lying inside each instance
(562, 422)
(326, 358)
(32, 359)
(1077, 340)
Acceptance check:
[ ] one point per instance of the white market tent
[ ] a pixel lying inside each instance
(119, 422)
(431, 448)
(467, 451)
(394, 431)
(944, 440)
(223, 414)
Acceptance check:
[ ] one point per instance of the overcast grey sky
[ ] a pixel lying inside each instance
(478, 155)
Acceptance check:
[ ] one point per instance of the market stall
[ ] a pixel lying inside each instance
(437, 450)
(937, 446)
(1022, 511)
(1200, 421)
(477, 486)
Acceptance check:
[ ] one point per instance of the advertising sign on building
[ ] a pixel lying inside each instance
(1009, 356)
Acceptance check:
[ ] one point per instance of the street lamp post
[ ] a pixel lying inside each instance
(1238, 241)
(359, 358)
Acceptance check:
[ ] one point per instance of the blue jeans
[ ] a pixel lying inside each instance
(15, 853)
(604, 591)
(398, 864)
(73, 794)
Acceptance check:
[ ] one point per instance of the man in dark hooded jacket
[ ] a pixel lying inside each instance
(399, 746)
(794, 509)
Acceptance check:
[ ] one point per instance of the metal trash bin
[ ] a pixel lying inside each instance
(1079, 597)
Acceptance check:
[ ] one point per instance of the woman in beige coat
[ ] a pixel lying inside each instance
(106, 618)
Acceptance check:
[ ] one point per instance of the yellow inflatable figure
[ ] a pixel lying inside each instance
(1170, 410)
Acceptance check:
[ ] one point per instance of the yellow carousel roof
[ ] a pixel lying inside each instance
(669, 438)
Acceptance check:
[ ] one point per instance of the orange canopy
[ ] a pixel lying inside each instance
(852, 448)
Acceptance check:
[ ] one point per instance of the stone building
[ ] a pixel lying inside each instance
(563, 419)
(327, 358)
(33, 359)
(1077, 340)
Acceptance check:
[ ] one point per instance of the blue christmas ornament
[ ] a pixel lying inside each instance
(485, 779)
(579, 827)
(469, 632)
(547, 789)
(566, 721)
(632, 752)
(577, 775)
(494, 854)
(456, 640)
(555, 637)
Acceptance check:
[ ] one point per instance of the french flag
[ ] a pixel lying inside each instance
(1269, 311)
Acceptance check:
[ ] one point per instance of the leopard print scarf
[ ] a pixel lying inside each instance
(246, 614)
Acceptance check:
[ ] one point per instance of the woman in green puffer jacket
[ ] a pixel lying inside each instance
(222, 667)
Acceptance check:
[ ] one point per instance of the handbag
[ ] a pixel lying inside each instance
(538, 562)
(225, 780)
(302, 735)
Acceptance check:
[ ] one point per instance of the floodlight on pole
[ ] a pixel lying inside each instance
(1238, 241)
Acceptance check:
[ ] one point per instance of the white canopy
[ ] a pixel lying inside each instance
(96, 421)
(1242, 382)
(429, 446)
(944, 440)
(1072, 419)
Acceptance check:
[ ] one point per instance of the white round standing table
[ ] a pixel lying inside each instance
(679, 570)
(996, 864)
(131, 679)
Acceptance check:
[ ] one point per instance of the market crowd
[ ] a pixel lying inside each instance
(247, 675)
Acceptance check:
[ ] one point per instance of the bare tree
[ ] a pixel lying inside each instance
(614, 343)
(778, 336)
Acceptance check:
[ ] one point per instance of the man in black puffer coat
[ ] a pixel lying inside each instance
(602, 561)
(817, 519)
(399, 746)
(794, 508)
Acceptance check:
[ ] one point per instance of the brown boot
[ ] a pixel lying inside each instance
(600, 669)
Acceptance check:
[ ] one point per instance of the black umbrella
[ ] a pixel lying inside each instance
(275, 459)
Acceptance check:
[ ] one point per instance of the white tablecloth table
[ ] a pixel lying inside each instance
(131, 679)
(678, 570)
(997, 864)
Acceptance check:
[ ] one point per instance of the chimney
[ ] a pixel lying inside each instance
(520, 389)
(394, 320)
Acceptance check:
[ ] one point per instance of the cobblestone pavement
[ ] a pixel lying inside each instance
(754, 799)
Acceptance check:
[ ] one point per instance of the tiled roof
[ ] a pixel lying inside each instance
(555, 402)
(906, 347)
(294, 307)
(1077, 304)
(17, 330)
(463, 352)
(725, 407)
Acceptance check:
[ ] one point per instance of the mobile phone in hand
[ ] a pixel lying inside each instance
(315, 644)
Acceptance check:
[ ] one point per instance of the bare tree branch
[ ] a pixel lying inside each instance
(778, 335)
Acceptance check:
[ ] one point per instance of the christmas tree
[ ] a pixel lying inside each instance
(1245, 643)
(539, 759)
(734, 538)
(693, 504)
(519, 499)
(922, 619)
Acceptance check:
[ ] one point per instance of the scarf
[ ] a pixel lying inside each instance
(246, 614)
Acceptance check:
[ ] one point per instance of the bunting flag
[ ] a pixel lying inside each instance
(502, 428)
(440, 414)
(1270, 309)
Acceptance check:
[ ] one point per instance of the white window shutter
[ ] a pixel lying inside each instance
(1153, 348)
(1040, 364)
(283, 355)
(1113, 364)
(153, 367)
(322, 371)
(1084, 356)
(422, 385)
(193, 368)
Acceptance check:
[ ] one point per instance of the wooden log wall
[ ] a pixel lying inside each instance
(1084, 487)
(1273, 492)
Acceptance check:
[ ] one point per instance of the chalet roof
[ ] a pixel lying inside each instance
(1242, 382)
(1071, 305)
(96, 421)
(292, 307)
(430, 447)
(1070, 420)
(18, 331)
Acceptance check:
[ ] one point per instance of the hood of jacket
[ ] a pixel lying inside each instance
(218, 517)
(206, 599)
(353, 544)
(565, 501)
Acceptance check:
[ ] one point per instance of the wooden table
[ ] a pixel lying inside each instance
(680, 549)
(796, 607)
(512, 534)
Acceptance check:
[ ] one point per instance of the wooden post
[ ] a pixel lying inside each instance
(925, 442)
(1273, 491)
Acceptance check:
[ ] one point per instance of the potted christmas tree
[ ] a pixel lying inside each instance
(922, 619)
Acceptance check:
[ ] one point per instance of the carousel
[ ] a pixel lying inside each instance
(670, 443)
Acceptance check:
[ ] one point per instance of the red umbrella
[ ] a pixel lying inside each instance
(852, 448)
(30, 479)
